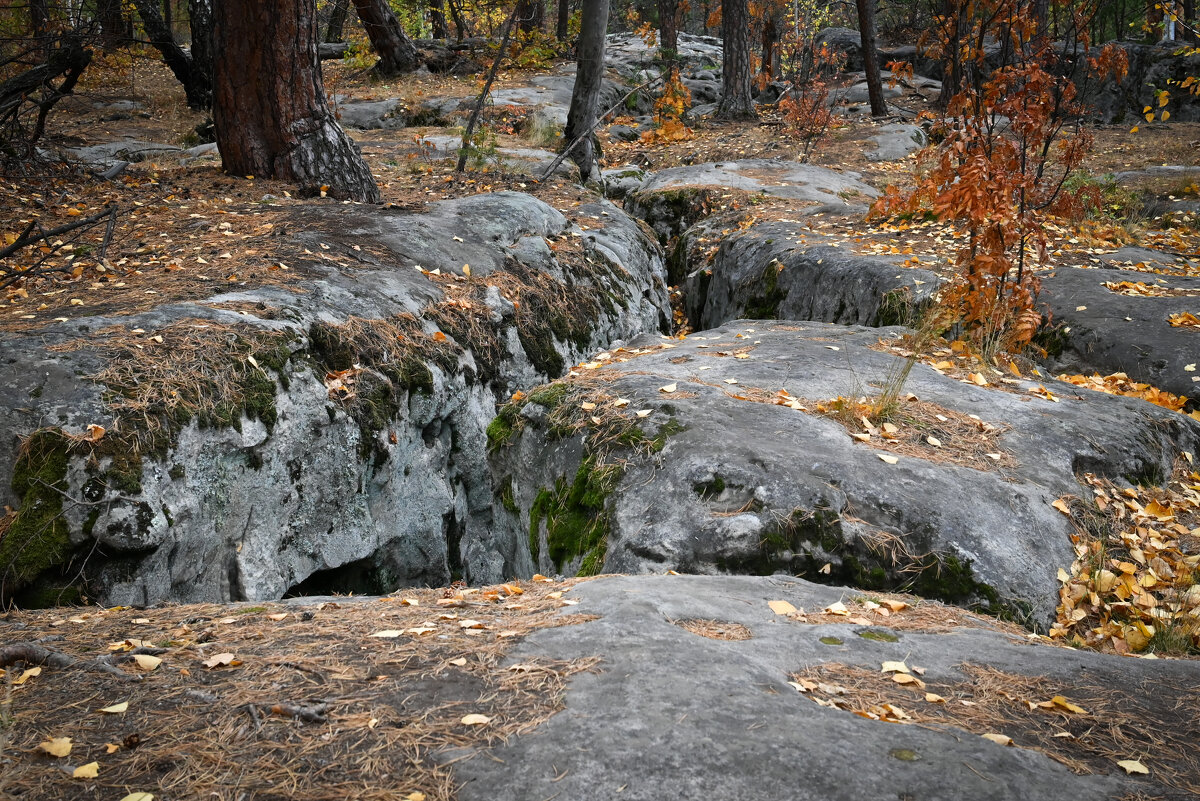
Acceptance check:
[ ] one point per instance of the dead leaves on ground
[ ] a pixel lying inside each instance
(1121, 384)
(1135, 583)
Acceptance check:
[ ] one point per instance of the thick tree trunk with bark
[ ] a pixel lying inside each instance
(589, 73)
(736, 103)
(397, 54)
(564, 17)
(867, 35)
(337, 21)
(269, 103)
(437, 19)
(668, 29)
(196, 84)
(113, 30)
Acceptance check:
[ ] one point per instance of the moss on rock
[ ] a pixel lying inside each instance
(37, 538)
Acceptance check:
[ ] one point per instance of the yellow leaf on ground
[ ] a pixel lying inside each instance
(887, 457)
(475, 719)
(146, 661)
(895, 667)
(386, 634)
(115, 709)
(415, 797)
(27, 675)
(934, 698)
(1061, 505)
(219, 660)
(781, 607)
(459, 662)
(1133, 766)
(139, 797)
(998, 739)
(837, 608)
(89, 771)
(57, 746)
(668, 388)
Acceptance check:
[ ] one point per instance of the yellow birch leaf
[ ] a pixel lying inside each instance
(115, 709)
(475, 719)
(1133, 766)
(88, 771)
(139, 797)
(146, 661)
(57, 746)
(894, 667)
(998, 739)
(781, 607)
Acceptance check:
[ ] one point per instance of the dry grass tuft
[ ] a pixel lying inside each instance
(714, 629)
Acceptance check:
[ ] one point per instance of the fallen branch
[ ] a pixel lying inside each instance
(314, 713)
(33, 654)
(567, 150)
(34, 233)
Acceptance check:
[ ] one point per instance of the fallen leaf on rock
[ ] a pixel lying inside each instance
(1061, 505)
(1133, 766)
(644, 412)
(894, 667)
(836, 608)
(998, 739)
(475, 719)
(89, 771)
(541, 578)
(669, 388)
(905, 678)
(887, 457)
(57, 746)
(781, 607)
(115, 709)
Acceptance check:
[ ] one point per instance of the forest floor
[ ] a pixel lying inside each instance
(183, 231)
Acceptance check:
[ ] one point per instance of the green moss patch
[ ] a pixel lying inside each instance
(764, 303)
(36, 538)
(576, 522)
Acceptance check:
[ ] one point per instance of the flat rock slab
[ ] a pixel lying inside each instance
(745, 485)
(392, 484)
(109, 153)
(672, 714)
(1112, 332)
(895, 141)
(782, 270)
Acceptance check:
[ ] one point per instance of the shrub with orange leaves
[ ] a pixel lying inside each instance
(1005, 153)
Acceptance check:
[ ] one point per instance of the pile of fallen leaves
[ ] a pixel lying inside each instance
(1184, 320)
(1121, 384)
(345, 698)
(1135, 582)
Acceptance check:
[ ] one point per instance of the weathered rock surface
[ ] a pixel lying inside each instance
(665, 200)
(629, 55)
(1150, 67)
(108, 153)
(1106, 331)
(382, 489)
(633, 728)
(895, 141)
(741, 486)
(782, 270)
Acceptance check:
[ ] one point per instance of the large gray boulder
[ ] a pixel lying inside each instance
(672, 199)
(739, 480)
(344, 447)
(1151, 68)
(781, 270)
(1107, 331)
(671, 712)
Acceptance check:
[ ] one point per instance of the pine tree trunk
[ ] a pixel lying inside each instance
(736, 103)
(460, 25)
(589, 74)
(269, 105)
(196, 86)
(337, 21)
(867, 35)
(112, 23)
(200, 18)
(668, 29)
(770, 40)
(397, 54)
(564, 17)
(437, 19)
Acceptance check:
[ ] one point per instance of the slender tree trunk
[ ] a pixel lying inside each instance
(196, 85)
(770, 38)
(169, 15)
(564, 17)
(736, 103)
(337, 21)
(866, 28)
(668, 29)
(269, 103)
(589, 75)
(461, 29)
(955, 28)
(39, 25)
(200, 20)
(397, 54)
(437, 19)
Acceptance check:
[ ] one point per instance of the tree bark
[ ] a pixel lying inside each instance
(867, 35)
(589, 75)
(200, 20)
(269, 107)
(397, 54)
(736, 102)
(337, 21)
(460, 25)
(668, 29)
(196, 85)
(770, 40)
(564, 17)
(437, 19)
